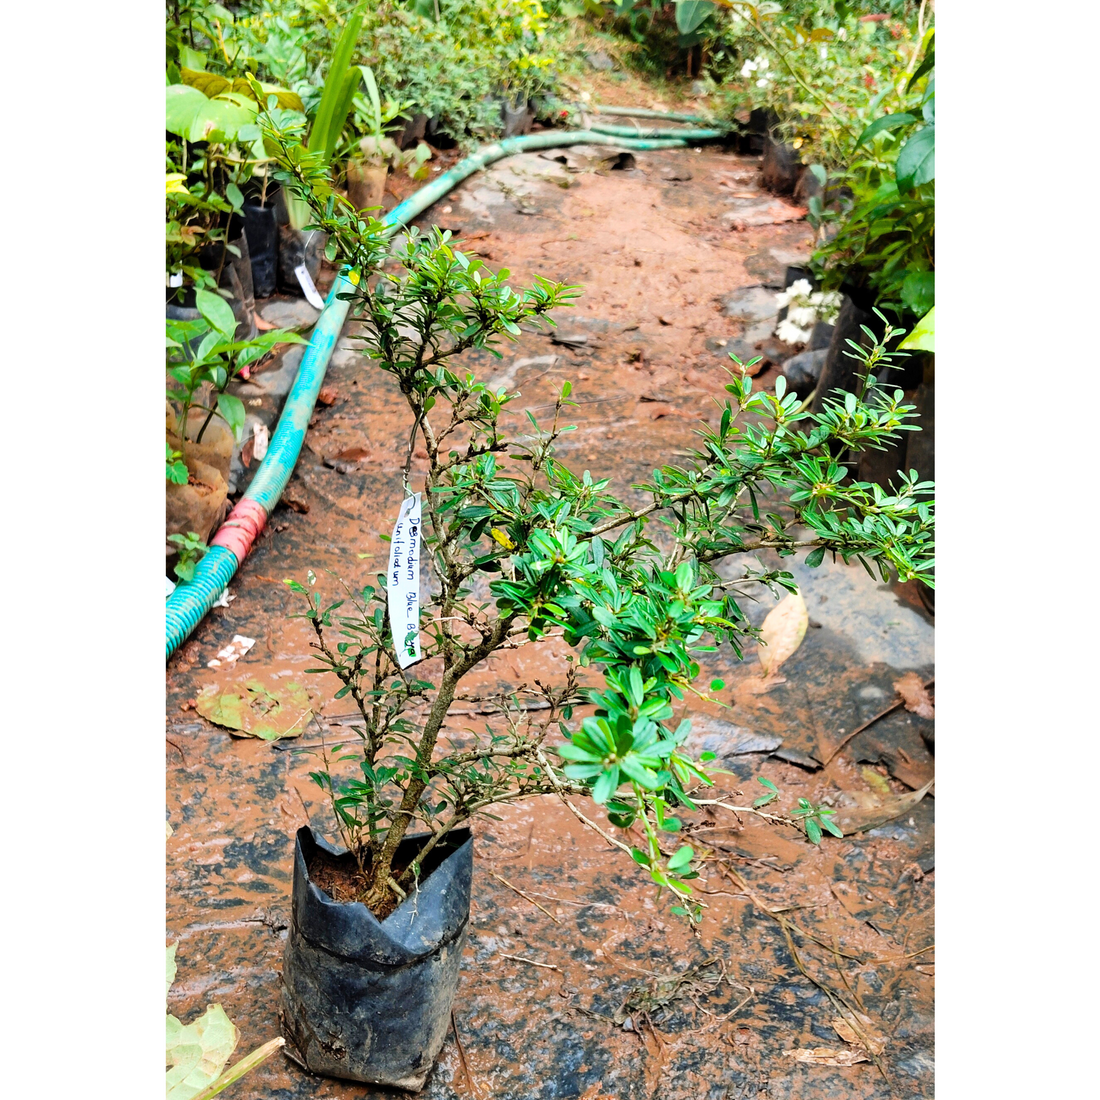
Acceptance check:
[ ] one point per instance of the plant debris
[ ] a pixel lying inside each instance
(915, 695)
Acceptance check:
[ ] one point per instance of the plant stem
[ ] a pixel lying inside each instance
(236, 1072)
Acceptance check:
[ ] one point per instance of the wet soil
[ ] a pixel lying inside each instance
(596, 991)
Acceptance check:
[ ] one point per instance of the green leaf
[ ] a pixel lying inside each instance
(606, 785)
(690, 14)
(815, 557)
(335, 94)
(813, 830)
(191, 59)
(682, 858)
(717, 685)
(217, 312)
(918, 291)
(917, 159)
(232, 411)
(575, 752)
(885, 124)
(182, 106)
(925, 66)
(923, 337)
(767, 783)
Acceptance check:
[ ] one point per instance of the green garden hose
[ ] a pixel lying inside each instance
(190, 602)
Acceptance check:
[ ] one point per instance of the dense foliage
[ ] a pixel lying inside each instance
(521, 549)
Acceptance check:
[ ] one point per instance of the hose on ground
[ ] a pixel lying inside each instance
(189, 603)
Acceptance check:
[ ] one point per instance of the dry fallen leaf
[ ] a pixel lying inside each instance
(328, 395)
(857, 819)
(875, 1043)
(782, 632)
(252, 708)
(912, 690)
(824, 1056)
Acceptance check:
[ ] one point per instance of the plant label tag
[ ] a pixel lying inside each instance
(175, 278)
(308, 289)
(403, 583)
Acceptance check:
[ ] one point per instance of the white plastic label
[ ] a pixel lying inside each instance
(175, 278)
(404, 583)
(308, 289)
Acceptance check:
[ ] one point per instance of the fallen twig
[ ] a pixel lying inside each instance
(870, 722)
(850, 1014)
(462, 1058)
(526, 897)
(531, 962)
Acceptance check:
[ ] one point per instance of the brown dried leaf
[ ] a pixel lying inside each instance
(252, 708)
(782, 632)
(912, 690)
(860, 818)
(875, 1043)
(328, 395)
(824, 1056)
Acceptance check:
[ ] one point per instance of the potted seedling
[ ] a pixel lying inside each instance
(518, 548)
(204, 419)
(368, 169)
(214, 151)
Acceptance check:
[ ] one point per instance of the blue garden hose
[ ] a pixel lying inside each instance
(190, 601)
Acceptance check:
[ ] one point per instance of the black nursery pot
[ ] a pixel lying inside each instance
(262, 232)
(369, 1000)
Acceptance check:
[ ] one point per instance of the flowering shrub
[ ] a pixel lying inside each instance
(758, 65)
(805, 307)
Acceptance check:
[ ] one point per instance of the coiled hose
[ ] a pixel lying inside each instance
(189, 603)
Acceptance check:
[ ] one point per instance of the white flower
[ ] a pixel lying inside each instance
(748, 68)
(790, 333)
(823, 53)
(762, 83)
(800, 288)
(803, 316)
(762, 62)
(827, 305)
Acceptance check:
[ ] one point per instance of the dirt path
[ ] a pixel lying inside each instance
(654, 246)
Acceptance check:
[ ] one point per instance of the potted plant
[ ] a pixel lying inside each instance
(519, 549)
(301, 249)
(367, 171)
(204, 421)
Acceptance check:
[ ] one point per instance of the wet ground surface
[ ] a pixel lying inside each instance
(627, 1003)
